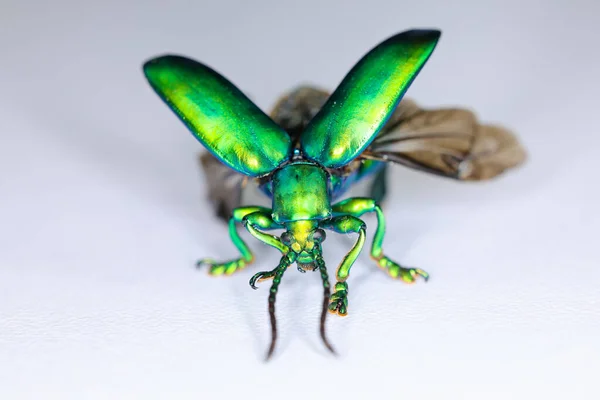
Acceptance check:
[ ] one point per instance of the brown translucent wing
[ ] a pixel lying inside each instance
(447, 142)
(296, 108)
(225, 185)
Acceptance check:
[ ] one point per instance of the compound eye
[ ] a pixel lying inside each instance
(286, 238)
(319, 235)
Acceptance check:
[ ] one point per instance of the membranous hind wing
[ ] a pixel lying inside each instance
(448, 142)
(296, 108)
(225, 185)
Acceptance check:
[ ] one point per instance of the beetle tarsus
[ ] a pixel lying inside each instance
(396, 271)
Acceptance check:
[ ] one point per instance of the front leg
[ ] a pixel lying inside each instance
(338, 303)
(357, 206)
(252, 218)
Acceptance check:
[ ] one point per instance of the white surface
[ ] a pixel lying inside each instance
(102, 210)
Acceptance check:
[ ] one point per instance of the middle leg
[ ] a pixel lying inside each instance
(357, 206)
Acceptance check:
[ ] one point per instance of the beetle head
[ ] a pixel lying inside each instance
(304, 238)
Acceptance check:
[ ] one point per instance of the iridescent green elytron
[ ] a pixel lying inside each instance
(362, 103)
(299, 176)
(223, 119)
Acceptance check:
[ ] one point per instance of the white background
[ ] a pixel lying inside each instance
(103, 210)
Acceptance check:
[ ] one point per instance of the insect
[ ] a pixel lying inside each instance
(314, 146)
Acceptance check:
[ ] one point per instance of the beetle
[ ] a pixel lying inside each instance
(314, 146)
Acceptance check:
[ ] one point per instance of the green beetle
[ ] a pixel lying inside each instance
(314, 146)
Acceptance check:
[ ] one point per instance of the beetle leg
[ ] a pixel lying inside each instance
(262, 220)
(338, 303)
(358, 206)
(229, 267)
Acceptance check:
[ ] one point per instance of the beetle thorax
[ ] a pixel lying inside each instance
(300, 192)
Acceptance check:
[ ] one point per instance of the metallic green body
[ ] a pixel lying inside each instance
(302, 181)
(363, 102)
(221, 117)
(300, 193)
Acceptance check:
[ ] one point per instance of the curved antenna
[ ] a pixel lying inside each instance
(367, 96)
(326, 296)
(219, 115)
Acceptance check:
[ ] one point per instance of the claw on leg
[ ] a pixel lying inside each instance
(261, 276)
(338, 302)
(408, 275)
